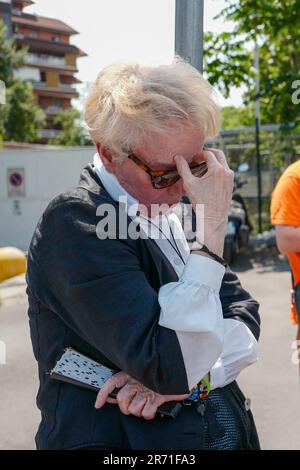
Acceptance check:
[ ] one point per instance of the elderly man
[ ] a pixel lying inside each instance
(162, 315)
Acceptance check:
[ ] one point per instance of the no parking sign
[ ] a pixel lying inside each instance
(16, 182)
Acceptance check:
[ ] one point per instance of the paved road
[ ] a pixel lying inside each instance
(272, 383)
(18, 379)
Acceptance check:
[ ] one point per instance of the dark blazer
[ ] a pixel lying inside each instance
(100, 297)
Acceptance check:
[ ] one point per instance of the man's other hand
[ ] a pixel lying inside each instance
(133, 397)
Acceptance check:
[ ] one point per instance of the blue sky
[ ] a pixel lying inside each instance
(111, 30)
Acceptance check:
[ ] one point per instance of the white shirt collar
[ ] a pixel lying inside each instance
(149, 226)
(114, 188)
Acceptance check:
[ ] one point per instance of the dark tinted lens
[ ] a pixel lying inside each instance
(160, 182)
(199, 170)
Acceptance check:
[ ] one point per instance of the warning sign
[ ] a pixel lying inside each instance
(16, 182)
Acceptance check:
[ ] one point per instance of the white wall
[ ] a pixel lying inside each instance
(47, 173)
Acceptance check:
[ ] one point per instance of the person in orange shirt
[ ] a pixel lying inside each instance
(285, 216)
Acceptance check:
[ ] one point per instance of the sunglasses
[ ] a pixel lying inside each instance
(162, 179)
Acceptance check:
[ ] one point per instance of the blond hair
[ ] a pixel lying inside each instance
(128, 103)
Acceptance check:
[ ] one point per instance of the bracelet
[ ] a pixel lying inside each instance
(205, 249)
(201, 390)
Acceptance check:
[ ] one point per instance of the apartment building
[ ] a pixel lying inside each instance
(51, 61)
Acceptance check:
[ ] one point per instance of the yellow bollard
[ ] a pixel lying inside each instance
(12, 262)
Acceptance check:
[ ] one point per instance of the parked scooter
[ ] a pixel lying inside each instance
(239, 225)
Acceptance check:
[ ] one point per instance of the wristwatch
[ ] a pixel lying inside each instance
(213, 255)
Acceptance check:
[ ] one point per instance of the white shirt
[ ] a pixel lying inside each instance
(191, 306)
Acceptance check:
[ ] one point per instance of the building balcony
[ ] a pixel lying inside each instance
(49, 133)
(16, 11)
(67, 88)
(28, 73)
(52, 110)
(62, 89)
(19, 36)
(61, 86)
(39, 45)
(49, 61)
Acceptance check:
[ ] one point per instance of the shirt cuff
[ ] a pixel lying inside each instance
(217, 375)
(204, 270)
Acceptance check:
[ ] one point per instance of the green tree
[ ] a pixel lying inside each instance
(10, 57)
(72, 132)
(21, 118)
(24, 118)
(229, 55)
(3, 118)
(233, 117)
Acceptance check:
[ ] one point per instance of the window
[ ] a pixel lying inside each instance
(55, 39)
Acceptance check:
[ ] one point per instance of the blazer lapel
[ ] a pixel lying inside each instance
(166, 273)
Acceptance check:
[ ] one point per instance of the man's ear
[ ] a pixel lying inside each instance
(106, 157)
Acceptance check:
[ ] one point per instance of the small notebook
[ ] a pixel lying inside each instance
(78, 369)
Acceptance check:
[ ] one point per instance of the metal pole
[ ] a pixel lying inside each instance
(189, 31)
(257, 138)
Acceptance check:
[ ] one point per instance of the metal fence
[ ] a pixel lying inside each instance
(278, 151)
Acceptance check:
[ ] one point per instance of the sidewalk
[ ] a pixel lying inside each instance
(19, 416)
(272, 383)
(13, 291)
